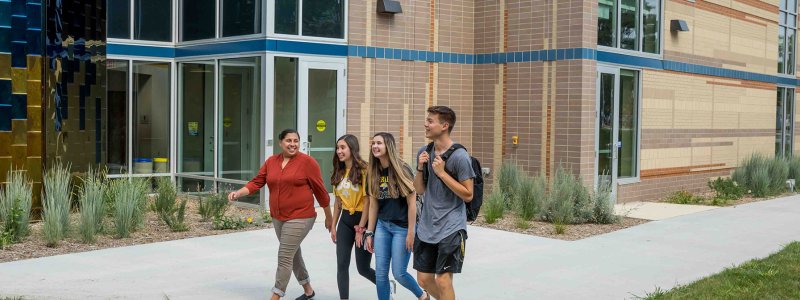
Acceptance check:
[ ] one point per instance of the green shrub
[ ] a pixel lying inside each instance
(5, 239)
(684, 197)
(794, 169)
(266, 217)
(508, 180)
(15, 206)
(603, 205)
(725, 189)
(530, 195)
(130, 199)
(568, 202)
(762, 176)
(212, 206)
(495, 207)
(167, 207)
(91, 199)
(56, 205)
(522, 224)
(227, 223)
(559, 228)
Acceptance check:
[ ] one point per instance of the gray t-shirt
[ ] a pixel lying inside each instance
(444, 212)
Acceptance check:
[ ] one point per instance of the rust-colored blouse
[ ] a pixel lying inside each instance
(291, 189)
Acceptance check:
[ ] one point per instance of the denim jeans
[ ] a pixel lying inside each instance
(390, 248)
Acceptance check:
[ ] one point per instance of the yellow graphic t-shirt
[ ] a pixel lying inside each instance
(352, 195)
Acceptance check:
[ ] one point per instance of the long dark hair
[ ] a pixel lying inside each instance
(401, 180)
(339, 168)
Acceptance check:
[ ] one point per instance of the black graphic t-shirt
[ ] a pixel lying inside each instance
(390, 209)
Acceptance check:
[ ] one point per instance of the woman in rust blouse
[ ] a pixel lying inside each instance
(294, 179)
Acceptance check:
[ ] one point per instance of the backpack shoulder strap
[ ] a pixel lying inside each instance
(452, 149)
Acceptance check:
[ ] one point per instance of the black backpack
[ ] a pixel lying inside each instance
(474, 206)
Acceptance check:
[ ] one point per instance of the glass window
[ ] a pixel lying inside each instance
(628, 123)
(153, 20)
(286, 16)
(629, 24)
(239, 107)
(117, 117)
(151, 112)
(323, 18)
(322, 97)
(285, 97)
(606, 26)
(784, 125)
(651, 21)
(787, 37)
(119, 19)
(198, 19)
(241, 17)
(196, 120)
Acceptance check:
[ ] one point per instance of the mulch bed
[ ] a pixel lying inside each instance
(154, 230)
(545, 229)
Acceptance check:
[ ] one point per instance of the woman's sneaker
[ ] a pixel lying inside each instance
(307, 297)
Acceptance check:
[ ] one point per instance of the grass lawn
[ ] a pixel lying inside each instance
(774, 277)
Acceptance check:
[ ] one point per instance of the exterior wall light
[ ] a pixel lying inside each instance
(678, 25)
(390, 7)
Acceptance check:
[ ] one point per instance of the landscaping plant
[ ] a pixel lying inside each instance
(57, 198)
(762, 176)
(226, 223)
(508, 179)
(212, 206)
(530, 194)
(129, 197)
(725, 189)
(684, 197)
(15, 207)
(603, 205)
(91, 199)
(167, 207)
(495, 207)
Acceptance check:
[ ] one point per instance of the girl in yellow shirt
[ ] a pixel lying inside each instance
(350, 212)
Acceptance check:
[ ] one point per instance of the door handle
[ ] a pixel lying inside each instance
(310, 138)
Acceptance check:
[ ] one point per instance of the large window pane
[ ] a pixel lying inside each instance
(781, 49)
(285, 97)
(153, 20)
(199, 19)
(286, 12)
(119, 19)
(323, 18)
(322, 99)
(117, 117)
(196, 120)
(606, 128)
(607, 23)
(629, 24)
(788, 123)
(241, 17)
(651, 23)
(151, 109)
(239, 118)
(790, 51)
(628, 123)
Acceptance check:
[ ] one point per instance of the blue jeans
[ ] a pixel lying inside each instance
(390, 247)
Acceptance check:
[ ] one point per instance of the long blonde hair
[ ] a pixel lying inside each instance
(401, 182)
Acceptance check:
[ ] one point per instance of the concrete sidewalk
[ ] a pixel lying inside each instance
(499, 265)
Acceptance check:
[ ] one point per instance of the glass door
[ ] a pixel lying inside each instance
(607, 128)
(321, 110)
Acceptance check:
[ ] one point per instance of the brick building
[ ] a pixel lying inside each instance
(655, 95)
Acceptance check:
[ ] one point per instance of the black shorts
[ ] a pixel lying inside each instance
(447, 256)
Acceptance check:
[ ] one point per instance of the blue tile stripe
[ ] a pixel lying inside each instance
(300, 47)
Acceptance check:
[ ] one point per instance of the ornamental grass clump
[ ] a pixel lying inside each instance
(15, 207)
(57, 199)
(91, 199)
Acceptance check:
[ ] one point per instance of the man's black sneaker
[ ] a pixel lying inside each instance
(307, 297)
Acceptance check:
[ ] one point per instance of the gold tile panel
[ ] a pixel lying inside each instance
(35, 170)
(5, 144)
(19, 129)
(19, 78)
(34, 68)
(34, 117)
(19, 156)
(34, 91)
(5, 165)
(5, 66)
(34, 143)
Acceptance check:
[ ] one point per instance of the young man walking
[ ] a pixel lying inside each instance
(439, 246)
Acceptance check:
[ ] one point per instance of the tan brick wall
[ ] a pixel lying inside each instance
(739, 35)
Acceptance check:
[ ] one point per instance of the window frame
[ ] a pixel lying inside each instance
(640, 33)
(787, 26)
(218, 26)
(784, 92)
(131, 29)
(270, 20)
